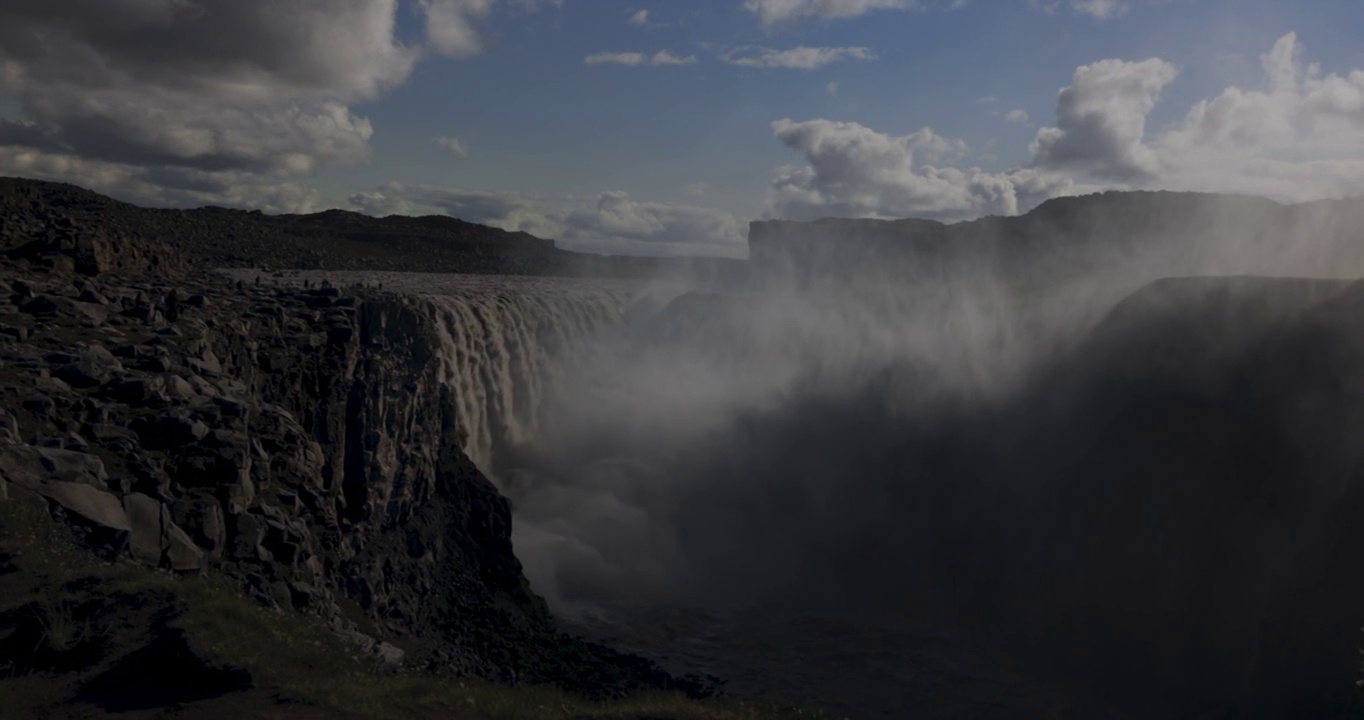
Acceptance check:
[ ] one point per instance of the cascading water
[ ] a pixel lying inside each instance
(504, 351)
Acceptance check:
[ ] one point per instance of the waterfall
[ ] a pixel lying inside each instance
(505, 348)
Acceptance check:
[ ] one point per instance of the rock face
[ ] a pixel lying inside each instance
(301, 442)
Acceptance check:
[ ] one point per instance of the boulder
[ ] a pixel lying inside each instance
(182, 555)
(84, 374)
(156, 539)
(390, 654)
(178, 388)
(29, 466)
(146, 520)
(99, 511)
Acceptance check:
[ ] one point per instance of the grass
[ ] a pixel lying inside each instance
(294, 655)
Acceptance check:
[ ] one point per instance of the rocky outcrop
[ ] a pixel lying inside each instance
(300, 442)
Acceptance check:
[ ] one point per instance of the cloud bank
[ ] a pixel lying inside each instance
(1300, 136)
(226, 101)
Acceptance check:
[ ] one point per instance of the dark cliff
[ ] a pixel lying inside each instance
(1196, 231)
(296, 442)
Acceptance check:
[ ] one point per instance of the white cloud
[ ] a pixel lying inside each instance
(1101, 121)
(1101, 9)
(770, 12)
(451, 146)
(640, 17)
(246, 91)
(696, 189)
(615, 222)
(854, 171)
(1299, 137)
(662, 57)
(450, 25)
(800, 58)
(1018, 116)
(832, 88)
(622, 58)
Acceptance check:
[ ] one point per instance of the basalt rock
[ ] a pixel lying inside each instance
(311, 456)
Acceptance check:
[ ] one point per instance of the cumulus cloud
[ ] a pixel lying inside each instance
(800, 58)
(854, 171)
(1300, 136)
(1101, 121)
(615, 222)
(255, 90)
(770, 12)
(640, 17)
(451, 146)
(1018, 116)
(451, 25)
(662, 57)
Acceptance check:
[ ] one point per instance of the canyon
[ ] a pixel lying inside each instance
(1098, 459)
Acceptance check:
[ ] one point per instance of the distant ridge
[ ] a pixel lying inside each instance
(328, 240)
(1087, 228)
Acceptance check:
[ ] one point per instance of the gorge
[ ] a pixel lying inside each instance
(1112, 442)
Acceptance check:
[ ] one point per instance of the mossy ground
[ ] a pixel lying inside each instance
(119, 636)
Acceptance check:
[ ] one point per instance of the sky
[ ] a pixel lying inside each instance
(650, 127)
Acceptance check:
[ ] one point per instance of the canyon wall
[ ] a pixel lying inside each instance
(305, 443)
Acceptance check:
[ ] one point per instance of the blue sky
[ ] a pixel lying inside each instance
(491, 109)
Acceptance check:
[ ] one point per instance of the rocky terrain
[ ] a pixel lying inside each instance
(1162, 519)
(294, 443)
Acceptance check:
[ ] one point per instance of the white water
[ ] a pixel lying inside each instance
(505, 352)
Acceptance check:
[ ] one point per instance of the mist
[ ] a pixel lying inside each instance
(1033, 439)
